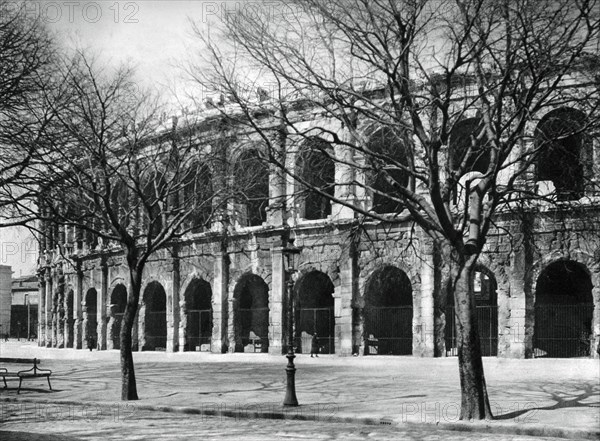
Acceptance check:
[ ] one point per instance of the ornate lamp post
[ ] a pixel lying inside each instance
(291, 256)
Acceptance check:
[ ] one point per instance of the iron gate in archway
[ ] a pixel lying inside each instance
(199, 330)
(487, 322)
(563, 331)
(388, 330)
(319, 320)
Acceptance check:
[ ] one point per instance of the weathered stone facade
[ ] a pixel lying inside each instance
(219, 290)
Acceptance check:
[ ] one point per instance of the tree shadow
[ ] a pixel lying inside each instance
(9, 435)
(562, 400)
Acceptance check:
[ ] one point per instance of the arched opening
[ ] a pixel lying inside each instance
(251, 189)
(314, 312)
(90, 318)
(154, 194)
(251, 314)
(387, 162)
(155, 318)
(118, 302)
(315, 166)
(560, 141)
(564, 310)
(70, 320)
(469, 147)
(198, 195)
(198, 307)
(486, 302)
(388, 312)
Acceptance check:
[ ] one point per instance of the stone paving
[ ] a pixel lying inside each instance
(147, 425)
(531, 397)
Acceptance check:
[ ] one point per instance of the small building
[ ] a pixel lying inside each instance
(5, 298)
(24, 307)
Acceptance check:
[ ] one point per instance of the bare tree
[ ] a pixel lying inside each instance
(27, 68)
(431, 104)
(114, 172)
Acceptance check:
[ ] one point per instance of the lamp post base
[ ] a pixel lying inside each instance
(290, 391)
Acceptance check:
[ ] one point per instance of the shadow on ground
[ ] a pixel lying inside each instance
(8, 435)
(562, 399)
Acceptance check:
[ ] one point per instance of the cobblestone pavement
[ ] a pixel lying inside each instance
(148, 425)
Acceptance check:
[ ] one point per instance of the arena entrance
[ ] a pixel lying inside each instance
(198, 302)
(314, 312)
(155, 318)
(563, 311)
(388, 313)
(90, 318)
(486, 301)
(118, 300)
(251, 314)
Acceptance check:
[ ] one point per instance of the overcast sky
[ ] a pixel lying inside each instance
(152, 34)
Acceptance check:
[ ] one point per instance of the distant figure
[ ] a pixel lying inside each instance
(6, 336)
(90, 343)
(314, 345)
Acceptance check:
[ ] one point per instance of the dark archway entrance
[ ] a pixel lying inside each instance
(118, 301)
(314, 312)
(317, 169)
(486, 301)
(251, 314)
(155, 318)
(91, 318)
(389, 148)
(198, 328)
(251, 189)
(564, 310)
(560, 138)
(388, 313)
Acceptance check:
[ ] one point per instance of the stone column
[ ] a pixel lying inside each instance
(277, 303)
(60, 308)
(85, 327)
(220, 305)
(77, 314)
(69, 319)
(344, 173)
(54, 342)
(518, 330)
(343, 305)
(425, 339)
(231, 316)
(172, 292)
(596, 317)
(102, 302)
(140, 326)
(112, 329)
(183, 325)
(48, 310)
(276, 211)
(41, 331)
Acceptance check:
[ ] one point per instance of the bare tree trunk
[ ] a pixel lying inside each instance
(128, 383)
(443, 283)
(474, 399)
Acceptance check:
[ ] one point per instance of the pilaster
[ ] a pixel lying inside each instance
(220, 306)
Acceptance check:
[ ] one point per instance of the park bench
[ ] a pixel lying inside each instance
(33, 372)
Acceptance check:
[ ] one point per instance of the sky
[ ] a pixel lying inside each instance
(153, 35)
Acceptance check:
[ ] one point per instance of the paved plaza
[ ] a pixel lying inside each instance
(548, 398)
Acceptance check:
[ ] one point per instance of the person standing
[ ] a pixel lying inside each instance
(314, 345)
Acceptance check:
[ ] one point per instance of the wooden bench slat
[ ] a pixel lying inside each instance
(19, 360)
